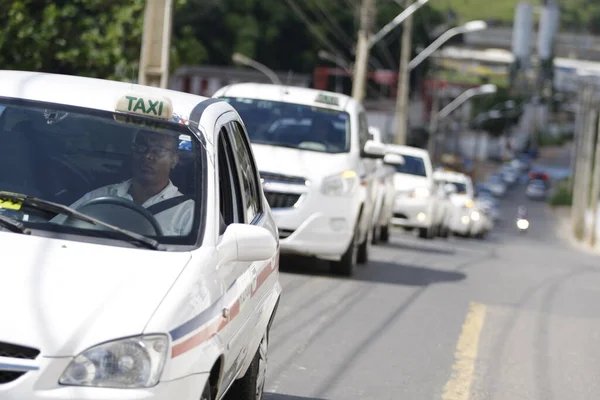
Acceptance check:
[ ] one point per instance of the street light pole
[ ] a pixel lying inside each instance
(366, 41)
(471, 26)
(241, 59)
(402, 93)
(401, 116)
(466, 95)
(156, 44)
(367, 17)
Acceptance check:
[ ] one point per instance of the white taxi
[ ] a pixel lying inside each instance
(318, 166)
(139, 257)
(461, 193)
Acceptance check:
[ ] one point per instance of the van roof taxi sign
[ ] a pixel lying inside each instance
(328, 99)
(145, 105)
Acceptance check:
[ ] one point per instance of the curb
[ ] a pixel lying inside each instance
(563, 231)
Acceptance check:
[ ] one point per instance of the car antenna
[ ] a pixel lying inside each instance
(289, 80)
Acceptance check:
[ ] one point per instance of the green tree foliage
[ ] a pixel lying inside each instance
(88, 37)
(103, 38)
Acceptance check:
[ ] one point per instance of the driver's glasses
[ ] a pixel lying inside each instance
(155, 151)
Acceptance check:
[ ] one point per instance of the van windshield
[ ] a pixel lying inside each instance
(294, 125)
(413, 165)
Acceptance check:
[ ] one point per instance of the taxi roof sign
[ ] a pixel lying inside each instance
(328, 99)
(148, 106)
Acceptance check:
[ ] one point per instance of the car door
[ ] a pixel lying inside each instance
(239, 203)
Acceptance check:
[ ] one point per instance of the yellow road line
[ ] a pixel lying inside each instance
(459, 385)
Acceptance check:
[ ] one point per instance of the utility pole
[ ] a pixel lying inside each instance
(578, 133)
(433, 118)
(581, 190)
(595, 189)
(156, 43)
(401, 114)
(367, 17)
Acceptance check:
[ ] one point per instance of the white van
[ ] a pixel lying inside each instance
(318, 167)
(415, 205)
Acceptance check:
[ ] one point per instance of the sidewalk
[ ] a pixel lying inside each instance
(564, 230)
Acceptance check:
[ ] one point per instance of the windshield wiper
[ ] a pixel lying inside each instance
(13, 225)
(46, 205)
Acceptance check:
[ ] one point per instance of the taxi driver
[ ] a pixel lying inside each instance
(154, 157)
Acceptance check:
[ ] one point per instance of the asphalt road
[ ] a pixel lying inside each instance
(513, 316)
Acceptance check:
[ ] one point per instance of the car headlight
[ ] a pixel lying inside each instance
(420, 192)
(340, 184)
(135, 362)
(475, 216)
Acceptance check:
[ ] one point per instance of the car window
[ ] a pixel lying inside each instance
(230, 199)
(248, 173)
(413, 165)
(71, 156)
(294, 125)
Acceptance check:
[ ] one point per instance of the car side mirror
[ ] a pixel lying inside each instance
(242, 242)
(393, 159)
(374, 149)
(375, 133)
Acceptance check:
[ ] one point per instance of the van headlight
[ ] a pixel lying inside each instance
(475, 216)
(135, 362)
(340, 184)
(420, 192)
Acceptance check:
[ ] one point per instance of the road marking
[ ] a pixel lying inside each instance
(459, 385)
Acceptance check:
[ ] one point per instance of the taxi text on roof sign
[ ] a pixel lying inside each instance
(149, 106)
(328, 99)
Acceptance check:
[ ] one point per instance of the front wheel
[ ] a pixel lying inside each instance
(206, 394)
(345, 266)
(426, 233)
(364, 247)
(384, 234)
(252, 385)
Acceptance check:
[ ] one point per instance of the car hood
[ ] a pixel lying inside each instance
(405, 182)
(296, 162)
(62, 296)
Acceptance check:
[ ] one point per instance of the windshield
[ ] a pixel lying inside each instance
(294, 125)
(461, 188)
(412, 165)
(125, 171)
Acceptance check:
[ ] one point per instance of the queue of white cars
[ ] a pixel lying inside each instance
(333, 186)
(141, 228)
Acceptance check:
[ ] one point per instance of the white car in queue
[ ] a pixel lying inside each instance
(461, 192)
(415, 203)
(318, 166)
(139, 256)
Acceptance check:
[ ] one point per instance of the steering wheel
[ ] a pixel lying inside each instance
(119, 220)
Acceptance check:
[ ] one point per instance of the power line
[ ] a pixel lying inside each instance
(339, 32)
(312, 28)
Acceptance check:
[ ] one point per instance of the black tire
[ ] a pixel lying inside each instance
(444, 231)
(345, 266)
(252, 385)
(376, 234)
(384, 235)
(425, 233)
(206, 393)
(363, 248)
